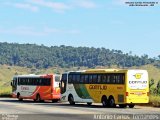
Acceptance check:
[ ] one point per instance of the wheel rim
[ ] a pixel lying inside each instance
(104, 103)
(112, 102)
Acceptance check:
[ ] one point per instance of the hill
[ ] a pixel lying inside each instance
(40, 56)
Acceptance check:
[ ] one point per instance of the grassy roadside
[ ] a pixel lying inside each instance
(154, 100)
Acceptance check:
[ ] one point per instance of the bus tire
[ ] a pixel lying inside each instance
(89, 103)
(38, 98)
(19, 97)
(111, 102)
(122, 105)
(71, 100)
(104, 101)
(131, 105)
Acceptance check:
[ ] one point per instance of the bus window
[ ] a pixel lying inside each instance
(82, 79)
(57, 78)
(90, 79)
(69, 79)
(108, 79)
(113, 78)
(103, 79)
(94, 79)
(86, 79)
(99, 79)
(74, 78)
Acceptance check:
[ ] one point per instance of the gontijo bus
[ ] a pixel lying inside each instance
(110, 87)
(36, 87)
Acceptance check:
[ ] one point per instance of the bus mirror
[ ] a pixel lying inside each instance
(59, 84)
(11, 84)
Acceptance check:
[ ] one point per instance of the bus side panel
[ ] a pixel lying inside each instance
(97, 91)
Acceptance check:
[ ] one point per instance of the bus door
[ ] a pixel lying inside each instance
(63, 83)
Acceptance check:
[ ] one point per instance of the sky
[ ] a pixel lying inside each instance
(111, 24)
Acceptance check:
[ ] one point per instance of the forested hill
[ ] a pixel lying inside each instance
(40, 56)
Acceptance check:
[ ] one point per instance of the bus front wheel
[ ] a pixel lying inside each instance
(104, 101)
(19, 97)
(38, 98)
(71, 100)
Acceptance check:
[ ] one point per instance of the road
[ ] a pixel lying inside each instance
(29, 110)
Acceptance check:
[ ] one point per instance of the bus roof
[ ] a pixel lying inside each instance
(32, 75)
(104, 71)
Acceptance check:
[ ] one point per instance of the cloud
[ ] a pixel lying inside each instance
(60, 7)
(85, 4)
(56, 6)
(61, 31)
(26, 6)
(21, 31)
(30, 31)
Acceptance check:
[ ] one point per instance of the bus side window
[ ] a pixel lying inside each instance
(18, 81)
(78, 80)
(108, 78)
(104, 79)
(86, 79)
(21, 81)
(112, 78)
(122, 78)
(69, 78)
(94, 79)
(90, 79)
(82, 79)
(99, 79)
(74, 79)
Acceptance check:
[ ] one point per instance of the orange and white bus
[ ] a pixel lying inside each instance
(110, 87)
(36, 87)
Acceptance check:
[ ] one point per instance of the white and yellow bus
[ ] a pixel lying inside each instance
(110, 87)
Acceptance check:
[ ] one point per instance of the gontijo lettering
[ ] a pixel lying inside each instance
(98, 87)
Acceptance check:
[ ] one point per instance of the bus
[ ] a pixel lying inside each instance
(36, 87)
(110, 87)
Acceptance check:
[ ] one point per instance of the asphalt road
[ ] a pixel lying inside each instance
(12, 109)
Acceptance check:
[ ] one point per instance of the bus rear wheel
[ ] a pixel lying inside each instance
(71, 100)
(89, 103)
(112, 102)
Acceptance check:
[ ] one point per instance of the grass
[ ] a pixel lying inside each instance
(154, 100)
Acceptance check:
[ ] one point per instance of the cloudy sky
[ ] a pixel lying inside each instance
(111, 24)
